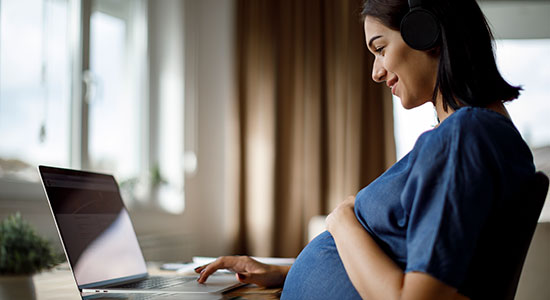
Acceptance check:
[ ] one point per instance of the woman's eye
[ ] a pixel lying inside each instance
(379, 49)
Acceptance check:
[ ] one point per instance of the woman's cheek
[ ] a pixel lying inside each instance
(390, 65)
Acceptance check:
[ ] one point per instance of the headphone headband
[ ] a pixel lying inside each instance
(414, 4)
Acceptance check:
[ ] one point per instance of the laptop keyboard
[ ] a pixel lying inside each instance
(156, 282)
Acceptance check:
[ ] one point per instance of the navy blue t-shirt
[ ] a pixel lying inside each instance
(427, 211)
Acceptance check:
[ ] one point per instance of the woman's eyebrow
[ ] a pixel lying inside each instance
(374, 38)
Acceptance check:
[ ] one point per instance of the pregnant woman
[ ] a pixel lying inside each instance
(412, 233)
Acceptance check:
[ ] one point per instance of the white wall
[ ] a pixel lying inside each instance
(518, 19)
(202, 32)
(210, 88)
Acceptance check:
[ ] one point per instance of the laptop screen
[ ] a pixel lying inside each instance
(94, 225)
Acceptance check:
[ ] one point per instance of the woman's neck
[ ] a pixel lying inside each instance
(440, 110)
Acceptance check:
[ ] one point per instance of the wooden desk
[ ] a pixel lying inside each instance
(59, 284)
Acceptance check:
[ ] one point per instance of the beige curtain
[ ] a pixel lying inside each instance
(313, 126)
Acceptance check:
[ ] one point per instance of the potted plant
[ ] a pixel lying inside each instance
(22, 253)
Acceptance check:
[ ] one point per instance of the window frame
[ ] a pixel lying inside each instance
(22, 190)
(80, 12)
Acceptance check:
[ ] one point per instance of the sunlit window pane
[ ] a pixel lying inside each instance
(410, 124)
(113, 137)
(526, 63)
(34, 86)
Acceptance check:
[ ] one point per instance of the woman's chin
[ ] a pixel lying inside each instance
(408, 103)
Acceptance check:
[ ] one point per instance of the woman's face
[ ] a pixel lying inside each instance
(411, 74)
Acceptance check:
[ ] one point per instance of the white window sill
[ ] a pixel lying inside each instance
(19, 190)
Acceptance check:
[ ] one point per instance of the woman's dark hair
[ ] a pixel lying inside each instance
(467, 74)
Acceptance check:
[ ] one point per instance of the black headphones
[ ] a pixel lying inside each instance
(419, 27)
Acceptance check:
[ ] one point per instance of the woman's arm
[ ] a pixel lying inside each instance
(372, 272)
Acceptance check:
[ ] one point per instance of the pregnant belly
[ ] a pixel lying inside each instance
(318, 273)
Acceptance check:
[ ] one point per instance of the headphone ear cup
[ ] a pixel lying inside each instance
(420, 29)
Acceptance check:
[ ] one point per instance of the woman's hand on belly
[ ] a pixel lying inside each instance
(248, 271)
(342, 216)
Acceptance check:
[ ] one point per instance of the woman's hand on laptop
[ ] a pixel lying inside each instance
(247, 270)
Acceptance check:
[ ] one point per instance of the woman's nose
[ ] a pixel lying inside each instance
(378, 72)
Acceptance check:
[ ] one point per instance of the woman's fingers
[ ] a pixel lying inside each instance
(207, 270)
(200, 268)
(344, 211)
(234, 263)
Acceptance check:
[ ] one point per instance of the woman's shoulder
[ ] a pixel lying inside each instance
(478, 125)
(473, 116)
(475, 131)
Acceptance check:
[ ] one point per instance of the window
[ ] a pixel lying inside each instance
(35, 86)
(75, 98)
(522, 62)
(115, 100)
(39, 69)
(410, 124)
(117, 95)
(113, 116)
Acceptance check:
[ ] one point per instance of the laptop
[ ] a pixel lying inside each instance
(100, 242)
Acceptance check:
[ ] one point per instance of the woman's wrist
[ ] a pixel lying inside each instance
(279, 275)
(342, 216)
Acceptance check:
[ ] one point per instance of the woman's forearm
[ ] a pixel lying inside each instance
(372, 272)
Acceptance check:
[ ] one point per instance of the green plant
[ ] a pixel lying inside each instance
(156, 177)
(22, 250)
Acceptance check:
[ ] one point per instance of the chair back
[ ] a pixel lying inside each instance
(497, 263)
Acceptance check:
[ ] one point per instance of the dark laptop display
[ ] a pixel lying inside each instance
(100, 241)
(90, 213)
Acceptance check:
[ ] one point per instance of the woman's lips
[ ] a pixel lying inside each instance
(392, 83)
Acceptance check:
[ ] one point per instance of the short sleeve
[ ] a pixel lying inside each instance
(448, 197)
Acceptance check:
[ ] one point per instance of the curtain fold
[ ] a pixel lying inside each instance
(313, 126)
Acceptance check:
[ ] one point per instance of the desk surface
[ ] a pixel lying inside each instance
(59, 284)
